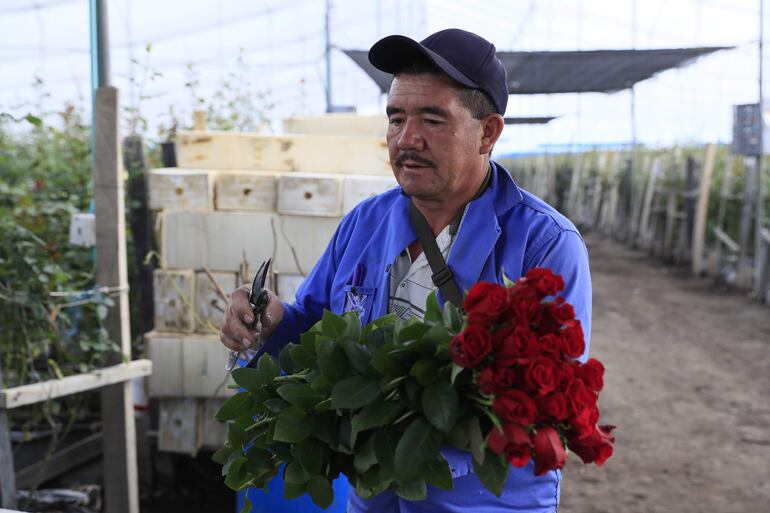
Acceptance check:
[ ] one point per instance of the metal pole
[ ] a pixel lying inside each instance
(760, 216)
(100, 45)
(327, 30)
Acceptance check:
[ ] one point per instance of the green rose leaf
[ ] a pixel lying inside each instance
(236, 477)
(353, 331)
(439, 403)
(358, 354)
(476, 439)
(236, 435)
(412, 331)
(372, 482)
(302, 358)
(300, 395)
(388, 359)
(275, 405)
(332, 360)
(365, 457)
(231, 459)
(333, 326)
(385, 443)
(355, 392)
(459, 437)
(433, 313)
(417, 446)
(222, 454)
(258, 460)
(233, 406)
(267, 370)
(248, 378)
(492, 473)
(294, 473)
(376, 414)
(412, 490)
(425, 371)
(285, 359)
(291, 426)
(438, 474)
(311, 455)
(380, 336)
(452, 318)
(320, 490)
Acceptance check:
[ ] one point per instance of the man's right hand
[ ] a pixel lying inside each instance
(236, 332)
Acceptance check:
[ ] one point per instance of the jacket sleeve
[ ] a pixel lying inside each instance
(566, 254)
(313, 296)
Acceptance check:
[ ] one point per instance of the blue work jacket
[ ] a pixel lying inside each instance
(507, 231)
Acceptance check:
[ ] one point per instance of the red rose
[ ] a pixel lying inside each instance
(511, 440)
(574, 344)
(525, 305)
(515, 406)
(485, 302)
(541, 376)
(596, 447)
(519, 344)
(544, 281)
(580, 398)
(548, 449)
(551, 345)
(553, 407)
(566, 373)
(592, 374)
(562, 311)
(486, 380)
(471, 346)
(495, 379)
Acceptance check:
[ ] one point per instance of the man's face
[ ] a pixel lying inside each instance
(433, 139)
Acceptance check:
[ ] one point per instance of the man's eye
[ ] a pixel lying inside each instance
(434, 122)
(395, 121)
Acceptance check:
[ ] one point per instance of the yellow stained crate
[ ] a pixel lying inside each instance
(174, 299)
(309, 194)
(246, 190)
(181, 189)
(348, 124)
(288, 153)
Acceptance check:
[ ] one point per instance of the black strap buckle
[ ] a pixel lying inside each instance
(442, 276)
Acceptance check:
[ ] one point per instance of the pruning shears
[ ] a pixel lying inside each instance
(259, 297)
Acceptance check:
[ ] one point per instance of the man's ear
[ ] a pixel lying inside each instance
(491, 128)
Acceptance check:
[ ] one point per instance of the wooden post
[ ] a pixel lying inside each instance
(645, 238)
(724, 195)
(699, 231)
(121, 491)
(7, 476)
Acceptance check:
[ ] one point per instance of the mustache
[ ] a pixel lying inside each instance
(414, 157)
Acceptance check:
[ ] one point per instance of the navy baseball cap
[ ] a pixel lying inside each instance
(466, 57)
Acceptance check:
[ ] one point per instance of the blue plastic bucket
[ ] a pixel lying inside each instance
(274, 502)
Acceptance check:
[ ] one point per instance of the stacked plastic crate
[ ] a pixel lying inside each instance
(235, 200)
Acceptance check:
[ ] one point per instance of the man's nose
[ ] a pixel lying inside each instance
(411, 137)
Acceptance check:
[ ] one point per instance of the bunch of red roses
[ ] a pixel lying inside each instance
(523, 350)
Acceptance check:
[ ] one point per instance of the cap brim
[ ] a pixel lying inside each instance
(392, 53)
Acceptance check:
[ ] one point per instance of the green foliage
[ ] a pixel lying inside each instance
(46, 177)
(375, 404)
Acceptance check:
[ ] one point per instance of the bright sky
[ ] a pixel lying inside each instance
(282, 46)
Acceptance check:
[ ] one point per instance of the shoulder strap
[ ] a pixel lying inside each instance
(442, 275)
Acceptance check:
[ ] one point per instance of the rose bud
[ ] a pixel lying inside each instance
(549, 451)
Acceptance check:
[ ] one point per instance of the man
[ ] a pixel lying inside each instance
(445, 108)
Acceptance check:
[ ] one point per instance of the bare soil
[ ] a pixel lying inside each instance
(688, 385)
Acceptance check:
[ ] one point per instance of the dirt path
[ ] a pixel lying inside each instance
(687, 384)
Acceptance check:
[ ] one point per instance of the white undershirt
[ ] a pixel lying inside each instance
(411, 283)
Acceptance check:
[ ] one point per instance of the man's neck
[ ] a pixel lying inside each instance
(440, 214)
